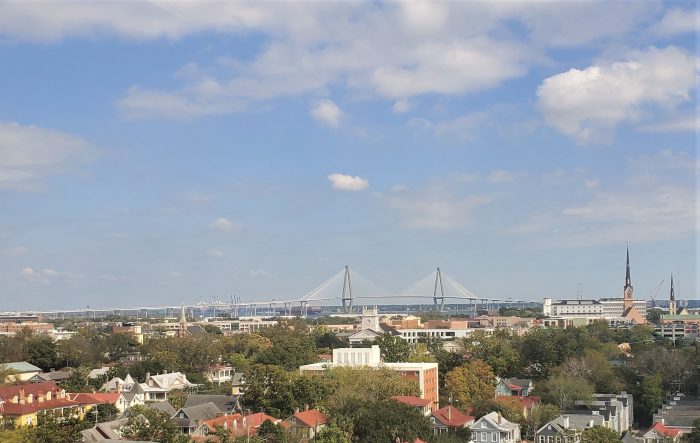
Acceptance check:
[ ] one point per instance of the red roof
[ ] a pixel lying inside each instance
(526, 402)
(35, 406)
(36, 389)
(452, 417)
(663, 430)
(311, 418)
(96, 398)
(230, 422)
(411, 400)
(255, 420)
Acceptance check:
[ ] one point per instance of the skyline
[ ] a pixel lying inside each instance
(159, 151)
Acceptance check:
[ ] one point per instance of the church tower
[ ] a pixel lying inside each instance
(672, 300)
(628, 298)
(182, 329)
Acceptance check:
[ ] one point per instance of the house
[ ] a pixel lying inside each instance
(237, 382)
(103, 431)
(23, 403)
(616, 410)
(449, 419)
(659, 433)
(55, 376)
(117, 384)
(96, 398)
(567, 428)
(496, 429)
(370, 327)
(421, 405)
(521, 387)
(157, 387)
(233, 423)
(678, 412)
(21, 371)
(99, 372)
(227, 404)
(306, 424)
(190, 418)
(219, 374)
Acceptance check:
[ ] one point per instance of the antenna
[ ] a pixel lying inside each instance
(579, 291)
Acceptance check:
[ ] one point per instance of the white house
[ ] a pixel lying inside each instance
(493, 428)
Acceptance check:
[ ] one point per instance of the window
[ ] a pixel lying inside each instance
(494, 437)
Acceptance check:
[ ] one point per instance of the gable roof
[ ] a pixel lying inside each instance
(162, 406)
(497, 421)
(204, 411)
(659, 428)
(166, 381)
(310, 418)
(52, 376)
(7, 392)
(225, 403)
(20, 367)
(231, 422)
(518, 382)
(452, 417)
(255, 420)
(97, 398)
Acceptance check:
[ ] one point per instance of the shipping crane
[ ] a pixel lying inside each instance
(653, 297)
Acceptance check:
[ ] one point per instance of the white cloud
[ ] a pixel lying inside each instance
(28, 272)
(588, 104)
(690, 123)
(344, 182)
(216, 253)
(646, 207)
(16, 251)
(327, 112)
(401, 106)
(591, 183)
(462, 128)
(678, 21)
(223, 224)
(27, 153)
(500, 176)
(433, 210)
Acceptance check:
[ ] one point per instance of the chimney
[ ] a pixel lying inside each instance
(566, 422)
(590, 423)
(306, 407)
(500, 418)
(165, 371)
(296, 410)
(449, 412)
(21, 395)
(148, 375)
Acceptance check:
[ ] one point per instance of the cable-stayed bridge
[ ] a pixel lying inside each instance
(346, 289)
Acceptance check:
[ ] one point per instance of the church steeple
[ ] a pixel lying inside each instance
(628, 279)
(182, 330)
(628, 297)
(672, 300)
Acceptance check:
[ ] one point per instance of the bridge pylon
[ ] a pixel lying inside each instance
(438, 292)
(346, 296)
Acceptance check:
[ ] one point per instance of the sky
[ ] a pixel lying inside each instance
(152, 152)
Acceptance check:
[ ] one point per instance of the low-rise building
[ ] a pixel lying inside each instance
(494, 428)
(20, 371)
(305, 425)
(521, 387)
(567, 428)
(189, 418)
(219, 374)
(420, 404)
(23, 403)
(424, 374)
(449, 419)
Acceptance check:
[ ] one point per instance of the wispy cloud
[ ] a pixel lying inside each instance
(223, 224)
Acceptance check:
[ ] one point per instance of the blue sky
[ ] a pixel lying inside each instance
(156, 151)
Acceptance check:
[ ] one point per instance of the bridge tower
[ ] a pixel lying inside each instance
(438, 291)
(347, 292)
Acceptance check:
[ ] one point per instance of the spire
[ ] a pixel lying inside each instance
(673, 295)
(628, 279)
(183, 317)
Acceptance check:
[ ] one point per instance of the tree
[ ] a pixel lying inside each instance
(694, 435)
(213, 329)
(564, 391)
(538, 416)
(348, 384)
(270, 432)
(594, 367)
(290, 348)
(385, 421)
(149, 424)
(496, 350)
(393, 348)
(54, 429)
(420, 354)
(332, 434)
(599, 434)
(42, 352)
(652, 395)
(471, 382)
